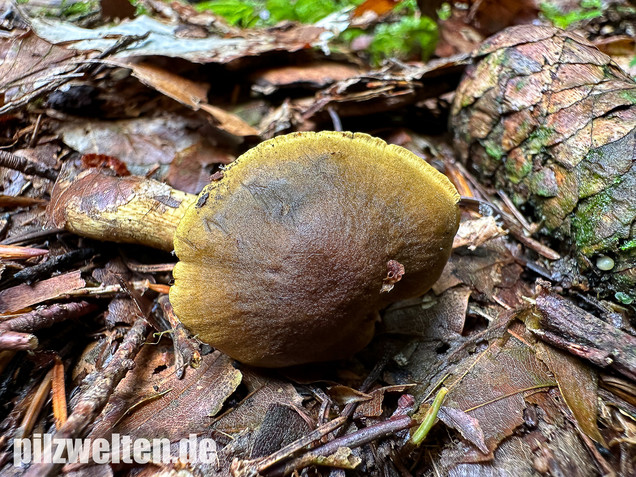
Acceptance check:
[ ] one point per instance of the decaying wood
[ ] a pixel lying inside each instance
(569, 327)
(21, 296)
(547, 117)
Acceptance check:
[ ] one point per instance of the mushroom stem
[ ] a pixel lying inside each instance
(119, 209)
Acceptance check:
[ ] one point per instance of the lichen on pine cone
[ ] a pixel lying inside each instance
(544, 115)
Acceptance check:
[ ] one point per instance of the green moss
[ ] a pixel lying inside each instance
(252, 13)
(624, 298)
(585, 221)
(444, 12)
(494, 150)
(518, 170)
(629, 95)
(627, 246)
(538, 139)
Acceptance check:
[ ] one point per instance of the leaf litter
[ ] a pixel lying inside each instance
(537, 376)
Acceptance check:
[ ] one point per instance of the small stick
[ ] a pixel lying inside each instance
(53, 264)
(515, 229)
(186, 349)
(97, 389)
(39, 399)
(47, 317)
(260, 465)
(335, 119)
(356, 439)
(59, 393)
(31, 236)
(14, 252)
(22, 164)
(17, 341)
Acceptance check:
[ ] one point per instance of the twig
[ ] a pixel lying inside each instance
(356, 439)
(97, 389)
(511, 224)
(258, 466)
(39, 399)
(17, 341)
(58, 390)
(186, 349)
(47, 317)
(335, 119)
(53, 264)
(583, 332)
(26, 166)
(31, 236)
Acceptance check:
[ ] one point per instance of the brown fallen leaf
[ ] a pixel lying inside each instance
(30, 65)
(374, 406)
(578, 384)
(187, 92)
(151, 401)
(264, 391)
(432, 317)
(492, 388)
(467, 426)
(313, 76)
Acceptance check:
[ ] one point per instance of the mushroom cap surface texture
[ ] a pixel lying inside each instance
(282, 260)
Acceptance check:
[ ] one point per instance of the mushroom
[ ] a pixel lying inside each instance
(289, 256)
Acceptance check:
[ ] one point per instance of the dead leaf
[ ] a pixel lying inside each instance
(467, 426)
(187, 92)
(162, 40)
(310, 76)
(431, 317)
(30, 64)
(473, 233)
(142, 142)
(379, 7)
(344, 395)
(373, 407)
(492, 388)
(578, 384)
(151, 401)
(263, 392)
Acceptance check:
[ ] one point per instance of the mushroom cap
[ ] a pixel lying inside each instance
(283, 260)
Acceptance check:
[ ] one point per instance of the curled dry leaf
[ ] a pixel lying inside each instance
(473, 233)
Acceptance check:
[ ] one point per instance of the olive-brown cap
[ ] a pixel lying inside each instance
(284, 260)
